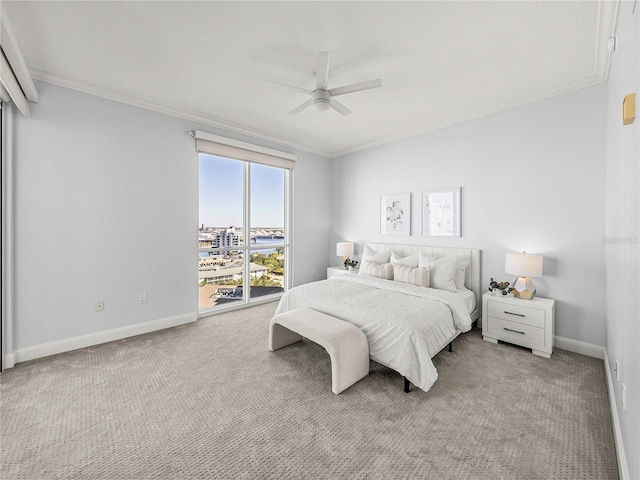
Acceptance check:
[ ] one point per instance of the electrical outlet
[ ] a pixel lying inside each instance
(142, 298)
(617, 370)
(100, 306)
(624, 397)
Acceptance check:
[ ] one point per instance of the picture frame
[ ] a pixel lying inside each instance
(441, 216)
(395, 214)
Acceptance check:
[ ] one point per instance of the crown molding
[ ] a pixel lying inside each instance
(608, 13)
(65, 82)
(90, 89)
(584, 82)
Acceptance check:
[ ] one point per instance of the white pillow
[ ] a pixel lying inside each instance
(370, 254)
(461, 270)
(414, 276)
(379, 270)
(443, 271)
(410, 261)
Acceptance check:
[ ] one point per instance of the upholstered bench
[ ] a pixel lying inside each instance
(346, 344)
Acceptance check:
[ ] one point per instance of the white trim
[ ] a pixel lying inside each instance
(239, 306)
(575, 346)
(164, 109)
(9, 361)
(66, 345)
(199, 135)
(15, 58)
(623, 466)
(12, 86)
(217, 123)
(7, 112)
(599, 352)
(607, 20)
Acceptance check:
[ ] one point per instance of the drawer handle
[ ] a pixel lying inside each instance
(516, 314)
(514, 331)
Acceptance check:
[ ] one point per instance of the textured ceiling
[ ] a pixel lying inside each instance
(440, 62)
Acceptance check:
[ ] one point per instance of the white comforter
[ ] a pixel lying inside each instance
(405, 325)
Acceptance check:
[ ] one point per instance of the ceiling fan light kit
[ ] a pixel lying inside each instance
(320, 100)
(322, 97)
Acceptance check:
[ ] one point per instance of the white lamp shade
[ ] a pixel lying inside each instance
(523, 265)
(344, 249)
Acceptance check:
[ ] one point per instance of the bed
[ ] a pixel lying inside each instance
(406, 324)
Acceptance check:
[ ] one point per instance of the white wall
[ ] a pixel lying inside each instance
(623, 232)
(106, 207)
(532, 179)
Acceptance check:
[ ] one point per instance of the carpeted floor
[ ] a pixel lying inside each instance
(210, 401)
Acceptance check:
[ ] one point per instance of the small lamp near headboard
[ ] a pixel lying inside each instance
(524, 266)
(344, 250)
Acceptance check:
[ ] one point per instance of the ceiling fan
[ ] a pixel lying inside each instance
(322, 97)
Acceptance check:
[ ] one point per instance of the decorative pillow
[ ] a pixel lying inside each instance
(379, 270)
(370, 254)
(443, 271)
(461, 270)
(414, 276)
(410, 261)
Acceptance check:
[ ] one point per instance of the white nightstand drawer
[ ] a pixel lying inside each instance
(516, 313)
(518, 332)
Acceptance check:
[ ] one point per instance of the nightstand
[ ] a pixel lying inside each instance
(528, 323)
(331, 271)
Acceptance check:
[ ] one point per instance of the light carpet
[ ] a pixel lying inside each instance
(209, 401)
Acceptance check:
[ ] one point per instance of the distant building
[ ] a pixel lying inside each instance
(227, 238)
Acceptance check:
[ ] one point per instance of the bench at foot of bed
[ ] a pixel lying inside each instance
(346, 344)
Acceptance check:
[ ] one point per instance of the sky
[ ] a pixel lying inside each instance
(221, 193)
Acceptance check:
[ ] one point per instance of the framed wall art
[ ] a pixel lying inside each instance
(441, 213)
(395, 214)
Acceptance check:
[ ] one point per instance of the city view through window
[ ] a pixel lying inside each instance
(242, 249)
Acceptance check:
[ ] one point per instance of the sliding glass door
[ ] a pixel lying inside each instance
(243, 235)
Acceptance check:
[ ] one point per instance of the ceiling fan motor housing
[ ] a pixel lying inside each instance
(320, 100)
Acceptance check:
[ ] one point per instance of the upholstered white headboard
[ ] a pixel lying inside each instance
(472, 255)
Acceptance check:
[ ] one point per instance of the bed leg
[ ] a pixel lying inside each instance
(406, 385)
(451, 347)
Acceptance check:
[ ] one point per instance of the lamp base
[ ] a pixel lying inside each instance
(524, 288)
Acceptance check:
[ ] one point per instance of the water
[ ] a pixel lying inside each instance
(260, 241)
(267, 241)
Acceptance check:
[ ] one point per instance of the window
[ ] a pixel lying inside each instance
(244, 243)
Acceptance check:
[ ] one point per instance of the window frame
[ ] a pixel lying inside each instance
(248, 157)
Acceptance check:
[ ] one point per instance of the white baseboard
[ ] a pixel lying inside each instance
(576, 346)
(46, 349)
(597, 351)
(623, 467)
(9, 361)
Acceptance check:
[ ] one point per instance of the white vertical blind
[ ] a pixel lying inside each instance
(229, 148)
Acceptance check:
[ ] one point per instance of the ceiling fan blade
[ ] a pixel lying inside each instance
(322, 70)
(299, 108)
(356, 87)
(298, 89)
(336, 105)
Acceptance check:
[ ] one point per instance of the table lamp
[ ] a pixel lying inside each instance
(344, 250)
(524, 266)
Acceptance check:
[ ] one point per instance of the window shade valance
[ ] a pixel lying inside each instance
(229, 148)
(15, 82)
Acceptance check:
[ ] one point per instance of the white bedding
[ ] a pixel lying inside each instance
(405, 325)
(468, 297)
